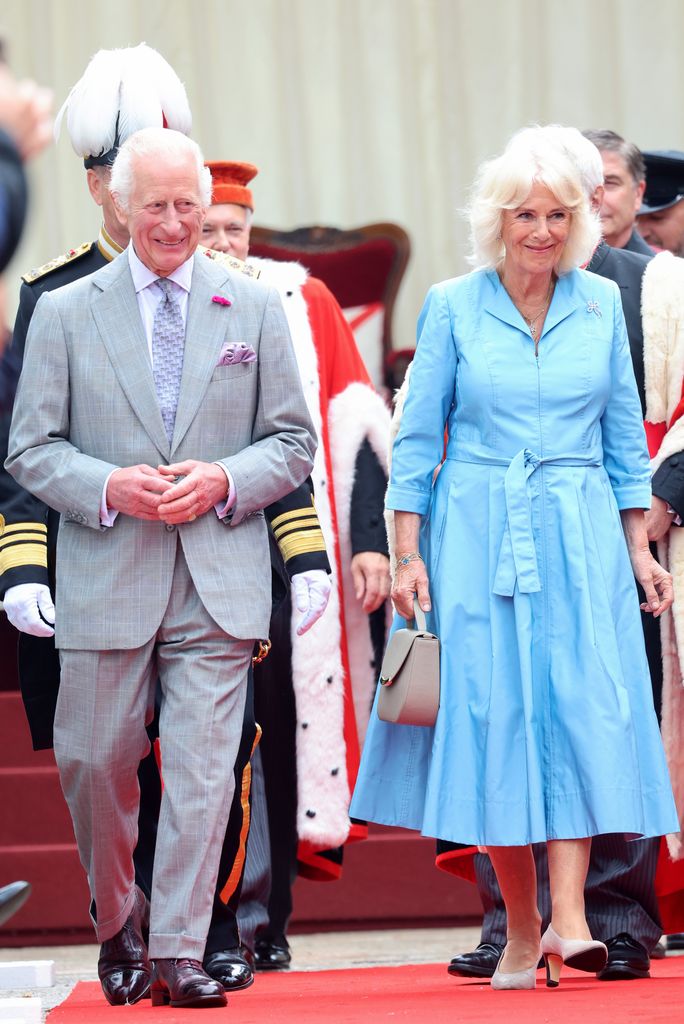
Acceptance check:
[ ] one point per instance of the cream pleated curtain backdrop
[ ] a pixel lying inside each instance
(360, 110)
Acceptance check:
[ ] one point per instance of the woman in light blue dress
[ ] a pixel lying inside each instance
(524, 551)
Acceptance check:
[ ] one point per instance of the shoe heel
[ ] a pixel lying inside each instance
(553, 964)
(159, 997)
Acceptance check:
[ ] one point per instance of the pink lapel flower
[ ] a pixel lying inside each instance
(221, 301)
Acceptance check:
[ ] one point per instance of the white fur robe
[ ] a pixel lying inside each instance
(662, 308)
(353, 415)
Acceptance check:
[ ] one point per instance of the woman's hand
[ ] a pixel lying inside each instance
(655, 580)
(409, 579)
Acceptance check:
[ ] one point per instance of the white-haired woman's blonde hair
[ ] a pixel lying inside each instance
(504, 183)
(167, 147)
(577, 146)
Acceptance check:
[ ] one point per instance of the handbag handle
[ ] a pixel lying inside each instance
(419, 615)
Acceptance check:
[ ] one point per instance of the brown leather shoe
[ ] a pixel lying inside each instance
(184, 982)
(124, 968)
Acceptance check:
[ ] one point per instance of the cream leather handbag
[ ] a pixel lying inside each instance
(409, 675)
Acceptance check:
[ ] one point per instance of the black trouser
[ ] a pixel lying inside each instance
(276, 714)
(223, 930)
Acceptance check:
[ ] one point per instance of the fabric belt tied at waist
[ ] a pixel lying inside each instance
(517, 562)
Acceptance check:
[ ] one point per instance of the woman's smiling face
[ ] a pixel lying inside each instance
(535, 233)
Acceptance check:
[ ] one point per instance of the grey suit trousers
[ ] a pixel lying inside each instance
(104, 701)
(619, 893)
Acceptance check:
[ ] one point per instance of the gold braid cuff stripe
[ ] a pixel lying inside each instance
(301, 543)
(22, 527)
(23, 554)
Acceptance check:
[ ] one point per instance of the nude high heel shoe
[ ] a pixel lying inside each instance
(583, 955)
(515, 979)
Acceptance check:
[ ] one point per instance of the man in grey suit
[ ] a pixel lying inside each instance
(159, 410)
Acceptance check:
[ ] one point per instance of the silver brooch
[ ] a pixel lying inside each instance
(593, 307)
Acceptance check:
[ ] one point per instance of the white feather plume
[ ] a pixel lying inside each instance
(135, 86)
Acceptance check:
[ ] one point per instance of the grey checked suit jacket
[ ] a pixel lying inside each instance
(86, 404)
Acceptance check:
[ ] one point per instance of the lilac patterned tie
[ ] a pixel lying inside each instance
(168, 341)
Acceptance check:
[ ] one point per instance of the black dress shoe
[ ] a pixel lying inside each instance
(481, 963)
(231, 967)
(627, 959)
(124, 968)
(184, 982)
(674, 941)
(271, 956)
(12, 897)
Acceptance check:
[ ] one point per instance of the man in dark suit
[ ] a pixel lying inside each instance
(624, 173)
(621, 905)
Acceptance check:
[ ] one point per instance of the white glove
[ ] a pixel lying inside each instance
(311, 592)
(30, 609)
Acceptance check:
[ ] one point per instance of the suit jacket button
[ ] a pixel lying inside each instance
(169, 527)
(674, 461)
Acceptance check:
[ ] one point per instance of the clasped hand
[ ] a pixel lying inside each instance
(173, 494)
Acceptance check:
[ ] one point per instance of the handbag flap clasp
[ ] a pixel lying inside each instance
(396, 654)
(400, 644)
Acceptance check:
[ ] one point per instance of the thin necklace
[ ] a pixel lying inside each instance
(532, 321)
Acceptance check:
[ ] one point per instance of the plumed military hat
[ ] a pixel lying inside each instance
(120, 92)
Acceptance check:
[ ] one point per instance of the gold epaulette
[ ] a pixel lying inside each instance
(224, 259)
(298, 532)
(58, 261)
(22, 544)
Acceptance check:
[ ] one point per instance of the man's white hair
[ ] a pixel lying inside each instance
(166, 147)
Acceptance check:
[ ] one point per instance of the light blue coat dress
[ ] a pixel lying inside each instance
(546, 727)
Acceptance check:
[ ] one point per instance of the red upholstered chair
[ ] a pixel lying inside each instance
(362, 267)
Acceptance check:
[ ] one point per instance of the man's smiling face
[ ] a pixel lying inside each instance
(165, 213)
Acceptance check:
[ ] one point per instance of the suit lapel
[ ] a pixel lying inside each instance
(117, 317)
(205, 332)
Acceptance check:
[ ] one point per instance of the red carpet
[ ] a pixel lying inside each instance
(419, 994)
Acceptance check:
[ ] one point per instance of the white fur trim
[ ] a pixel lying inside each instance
(662, 317)
(316, 657)
(356, 414)
(662, 307)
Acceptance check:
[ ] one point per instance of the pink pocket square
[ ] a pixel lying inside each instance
(236, 352)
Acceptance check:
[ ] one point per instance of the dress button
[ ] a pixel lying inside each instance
(170, 527)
